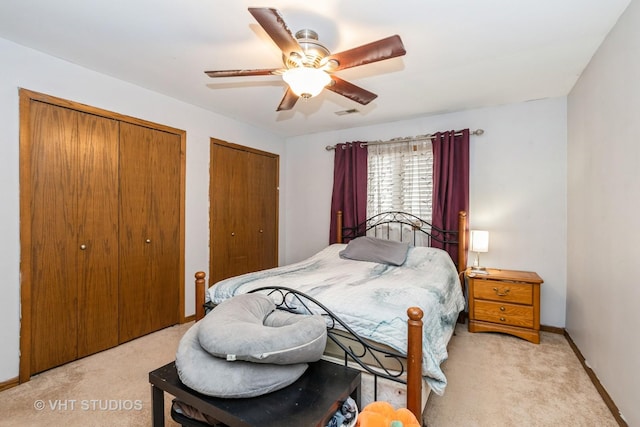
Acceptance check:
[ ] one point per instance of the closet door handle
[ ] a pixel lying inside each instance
(148, 241)
(83, 247)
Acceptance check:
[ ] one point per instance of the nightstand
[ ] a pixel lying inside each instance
(505, 301)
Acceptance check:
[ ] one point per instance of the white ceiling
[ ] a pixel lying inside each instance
(461, 54)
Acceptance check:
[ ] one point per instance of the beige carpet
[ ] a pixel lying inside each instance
(494, 380)
(500, 380)
(110, 388)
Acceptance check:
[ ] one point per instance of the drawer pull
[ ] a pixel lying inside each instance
(502, 308)
(502, 319)
(501, 293)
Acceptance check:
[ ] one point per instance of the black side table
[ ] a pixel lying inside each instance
(310, 401)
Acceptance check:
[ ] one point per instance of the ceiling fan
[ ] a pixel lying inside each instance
(309, 65)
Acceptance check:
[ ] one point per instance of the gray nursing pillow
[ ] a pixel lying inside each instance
(248, 328)
(217, 377)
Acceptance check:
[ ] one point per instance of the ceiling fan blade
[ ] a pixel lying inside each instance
(288, 101)
(351, 91)
(273, 23)
(368, 53)
(235, 73)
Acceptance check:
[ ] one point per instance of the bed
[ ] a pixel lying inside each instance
(367, 303)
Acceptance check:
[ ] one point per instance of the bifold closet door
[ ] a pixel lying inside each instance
(262, 191)
(244, 211)
(97, 234)
(74, 263)
(149, 230)
(229, 213)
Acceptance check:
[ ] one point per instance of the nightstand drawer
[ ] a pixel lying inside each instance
(502, 313)
(497, 290)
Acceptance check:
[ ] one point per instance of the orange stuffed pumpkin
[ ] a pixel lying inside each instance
(383, 414)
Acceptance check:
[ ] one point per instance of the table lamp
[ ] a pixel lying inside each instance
(479, 242)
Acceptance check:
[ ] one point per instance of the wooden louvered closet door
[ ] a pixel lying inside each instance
(149, 230)
(244, 210)
(74, 234)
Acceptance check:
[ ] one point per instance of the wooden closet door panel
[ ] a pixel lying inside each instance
(135, 253)
(263, 198)
(53, 236)
(229, 214)
(165, 230)
(97, 193)
(271, 194)
(253, 211)
(70, 224)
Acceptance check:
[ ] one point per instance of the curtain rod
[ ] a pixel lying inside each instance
(477, 132)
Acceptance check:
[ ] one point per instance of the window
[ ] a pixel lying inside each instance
(400, 178)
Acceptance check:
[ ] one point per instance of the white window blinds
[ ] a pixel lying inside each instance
(400, 178)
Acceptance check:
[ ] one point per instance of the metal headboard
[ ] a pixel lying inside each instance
(380, 225)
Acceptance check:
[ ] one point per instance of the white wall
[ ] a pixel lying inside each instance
(22, 67)
(603, 204)
(518, 187)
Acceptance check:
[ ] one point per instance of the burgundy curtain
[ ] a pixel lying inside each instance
(349, 186)
(450, 182)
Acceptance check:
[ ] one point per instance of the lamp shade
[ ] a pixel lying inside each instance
(306, 82)
(479, 241)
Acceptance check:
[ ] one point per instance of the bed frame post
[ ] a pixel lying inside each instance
(200, 291)
(462, 241)
(414, 361)
(339, 227)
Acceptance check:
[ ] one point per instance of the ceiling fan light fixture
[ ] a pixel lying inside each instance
(309, 65)
(306, 82)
